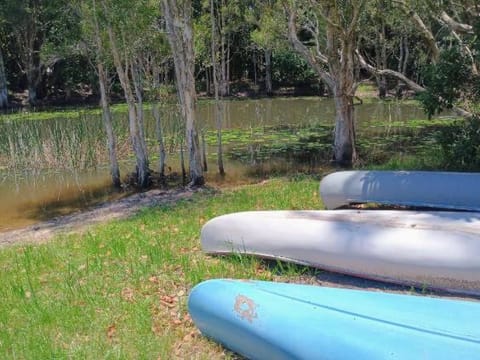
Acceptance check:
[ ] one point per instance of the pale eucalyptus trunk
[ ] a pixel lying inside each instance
(268, 71)
(178, 19)
(161, 144)
(107, 121)
(381, 55)
(142, 170)
(162, 155)
(3, 84)
(338, 55)
(138, 86)
(105, 103)
(344, 142)
(343, 92)
(218, 106)
(32, 43)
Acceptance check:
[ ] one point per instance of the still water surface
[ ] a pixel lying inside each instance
(39, 180)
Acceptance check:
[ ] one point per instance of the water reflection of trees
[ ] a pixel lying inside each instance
(78, 143)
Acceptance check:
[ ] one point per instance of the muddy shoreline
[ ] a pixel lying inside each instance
(82, 221)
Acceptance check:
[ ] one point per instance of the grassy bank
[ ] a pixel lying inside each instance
(120, 290)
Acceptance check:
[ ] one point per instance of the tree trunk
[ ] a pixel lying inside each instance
(182, 163)
(138, 86)
(268, 71)
(381, 52)
(34, 74)
(162, 155)
(161, 144)
(344, 142)
(254, 60)
(107, 121)
(218, 105)
(3, 84)
(142, 170)
(204, 153)
(105, 103)
(180, 36)
(341, 63)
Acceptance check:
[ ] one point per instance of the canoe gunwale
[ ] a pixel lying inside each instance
(420, 286)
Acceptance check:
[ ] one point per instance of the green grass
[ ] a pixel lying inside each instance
(120, 290)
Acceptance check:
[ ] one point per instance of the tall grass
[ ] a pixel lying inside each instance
(72, 143)
(119, 290)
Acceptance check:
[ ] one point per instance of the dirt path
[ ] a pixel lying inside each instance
(78, 222)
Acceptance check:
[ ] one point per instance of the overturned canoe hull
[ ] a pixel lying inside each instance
(440, 190)
(439, 250)
(264, 320)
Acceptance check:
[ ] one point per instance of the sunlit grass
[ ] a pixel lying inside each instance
(120, 290)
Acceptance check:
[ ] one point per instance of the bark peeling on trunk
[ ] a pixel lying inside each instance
(178, 20)
(127, 73)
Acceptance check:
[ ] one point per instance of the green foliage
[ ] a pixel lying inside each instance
(445, 81)
(460, 145)
(291, 68)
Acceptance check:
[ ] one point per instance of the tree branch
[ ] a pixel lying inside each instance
(454, 25)
(424, 30)
(304, 51)
(410, 83)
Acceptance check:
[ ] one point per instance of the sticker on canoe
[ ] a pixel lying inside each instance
(245, 308)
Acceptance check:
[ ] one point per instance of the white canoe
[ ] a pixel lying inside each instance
(439, 250)
(440, 190)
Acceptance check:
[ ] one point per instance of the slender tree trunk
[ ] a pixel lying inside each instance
(227, 71)
(402, 64)
(161, 144)
(138, 86)
(254, 60)
(204, 153)
(406, 56)
(381, 62)
(3, 84)
(178, 19)
(182, 163)
(158, 123)
(207, 80)
(34, 73)
(142, 170)
(107, 121)
(218, 105)
(268, 71)
(105, 103)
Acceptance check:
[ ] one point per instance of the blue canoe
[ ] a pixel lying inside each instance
(266, 320)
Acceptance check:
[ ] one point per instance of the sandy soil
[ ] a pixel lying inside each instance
(80, 221)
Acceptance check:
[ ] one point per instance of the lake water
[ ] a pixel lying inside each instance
(56, 166)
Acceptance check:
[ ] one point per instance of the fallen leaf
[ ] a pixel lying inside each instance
(111, 331)
(128, 294)
(153, 279)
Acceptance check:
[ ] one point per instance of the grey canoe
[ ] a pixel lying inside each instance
(439, 250)
(431, 189)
